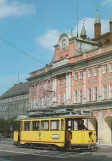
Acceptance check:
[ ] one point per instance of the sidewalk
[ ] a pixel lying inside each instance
(104, 145)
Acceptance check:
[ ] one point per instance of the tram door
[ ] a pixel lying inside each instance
(68, 133)
(19, 131)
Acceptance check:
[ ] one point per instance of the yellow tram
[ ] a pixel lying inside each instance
(67, 131)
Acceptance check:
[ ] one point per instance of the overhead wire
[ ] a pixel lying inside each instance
(24, 52)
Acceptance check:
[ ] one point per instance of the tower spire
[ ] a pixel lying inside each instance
(83, 34)
(97, 19)
(97, 25)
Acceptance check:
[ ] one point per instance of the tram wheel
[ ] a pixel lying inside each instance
(53, 147)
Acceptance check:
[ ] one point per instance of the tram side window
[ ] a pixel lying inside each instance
(54, 125)
(62, 124)
(27, 126)
(75, 125)
(35, 125)
(45, 125)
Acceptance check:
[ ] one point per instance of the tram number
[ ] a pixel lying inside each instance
(39, 134)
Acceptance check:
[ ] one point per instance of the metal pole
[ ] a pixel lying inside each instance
(77, 19)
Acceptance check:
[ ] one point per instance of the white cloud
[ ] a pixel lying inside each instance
(48, 39)
(15, 8)
(106, 2)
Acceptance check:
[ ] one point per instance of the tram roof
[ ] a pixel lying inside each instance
(56, 114)
(56, 117)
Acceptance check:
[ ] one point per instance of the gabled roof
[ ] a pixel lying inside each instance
(16, 90)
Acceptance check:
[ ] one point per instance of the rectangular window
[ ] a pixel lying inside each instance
(76, 97)
(64, 97)
(36, 125)
(27, 126)
(95, 93)
(111, 67)
(104, 69)
(44, 85)
(49, 83)
(45, 125)
(61, 81)
(95, 71)
(60, 98)
(81, 95)
(26, 104)
(104, 92)
(76, 76)
(81, 75)
(89, 94)
(110, 90)
(54, 125)
(89, 73)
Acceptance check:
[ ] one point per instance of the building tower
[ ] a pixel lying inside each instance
(97, 26)
(111, 24)
(83, 34)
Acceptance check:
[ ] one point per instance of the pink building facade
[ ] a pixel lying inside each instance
(78, 77)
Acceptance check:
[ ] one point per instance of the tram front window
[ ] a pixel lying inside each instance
(81, 125)
(76, 124)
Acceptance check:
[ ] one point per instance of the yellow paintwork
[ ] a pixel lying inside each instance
(45, 137)
(82, 137)
(15, 138)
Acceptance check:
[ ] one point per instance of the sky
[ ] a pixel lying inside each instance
(34, 27)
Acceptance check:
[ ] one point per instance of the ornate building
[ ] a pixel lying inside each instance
(78, 77)
(15, 101)
(104, 38)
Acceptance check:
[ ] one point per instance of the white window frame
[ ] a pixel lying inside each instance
(95, 71)
(64, 97)
(76, 75)
(110, 65)
(89, 73)
(95, 93)
(75, 96)
(81, 75)
(104, 69)
(60, 98)
(89, 94)
(81, 96)
(105, 92)
(110, 91)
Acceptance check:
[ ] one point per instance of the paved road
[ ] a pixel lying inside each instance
(9, 152)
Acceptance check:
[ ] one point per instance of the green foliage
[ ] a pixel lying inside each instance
(5, 127)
